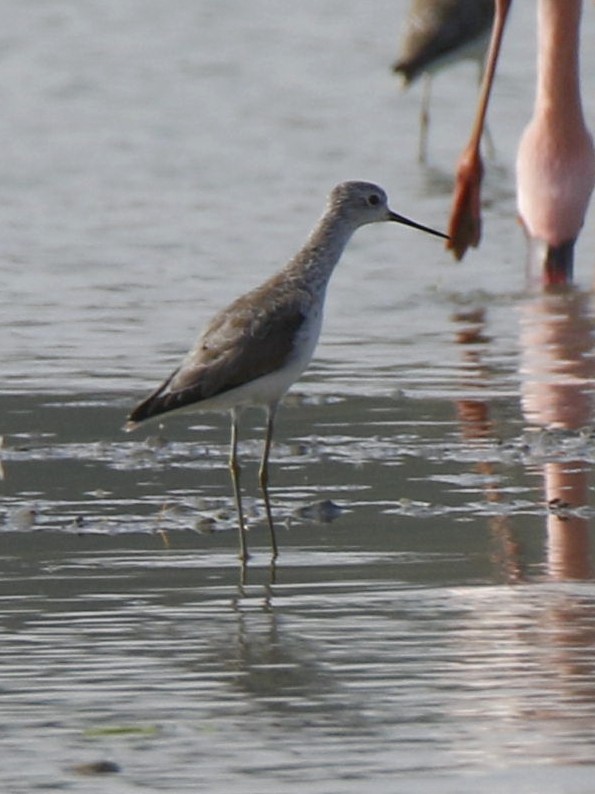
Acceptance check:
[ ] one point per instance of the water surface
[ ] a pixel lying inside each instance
(429, 624)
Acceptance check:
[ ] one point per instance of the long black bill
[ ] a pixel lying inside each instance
(392, 216)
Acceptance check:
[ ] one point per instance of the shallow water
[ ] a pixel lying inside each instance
(429, 625)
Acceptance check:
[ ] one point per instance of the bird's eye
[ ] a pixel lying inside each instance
(373, 200)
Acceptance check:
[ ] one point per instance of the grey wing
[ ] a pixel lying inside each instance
(242, 343)
(437, 30)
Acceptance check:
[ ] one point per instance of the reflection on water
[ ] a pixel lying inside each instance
(160, 663)
(556, 366)
(476, 424)
(391, 645)
(439, 629)
(557, 375)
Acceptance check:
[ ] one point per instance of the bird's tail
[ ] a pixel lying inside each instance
(155, 404)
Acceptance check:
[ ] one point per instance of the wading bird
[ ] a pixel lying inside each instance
(256, 348)
(439, 33)
(555, 168)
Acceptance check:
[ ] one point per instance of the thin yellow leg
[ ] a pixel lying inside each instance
(235, 470)
(263, 475)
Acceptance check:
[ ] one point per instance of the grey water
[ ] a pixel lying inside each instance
(430, 623)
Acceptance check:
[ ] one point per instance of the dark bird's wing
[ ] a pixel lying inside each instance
(247, 340)
(436, 30)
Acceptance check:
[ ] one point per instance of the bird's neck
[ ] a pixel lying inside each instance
(558, 76)
(317, 259)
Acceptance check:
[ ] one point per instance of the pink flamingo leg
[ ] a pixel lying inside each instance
(464, 228)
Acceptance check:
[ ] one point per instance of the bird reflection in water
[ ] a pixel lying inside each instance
(557, 370)
(477, 427)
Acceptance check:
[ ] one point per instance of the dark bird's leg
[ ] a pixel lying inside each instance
(424, 119)
(263, 474)
(234, 468)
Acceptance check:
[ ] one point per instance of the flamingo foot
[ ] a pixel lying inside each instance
(464, 228)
